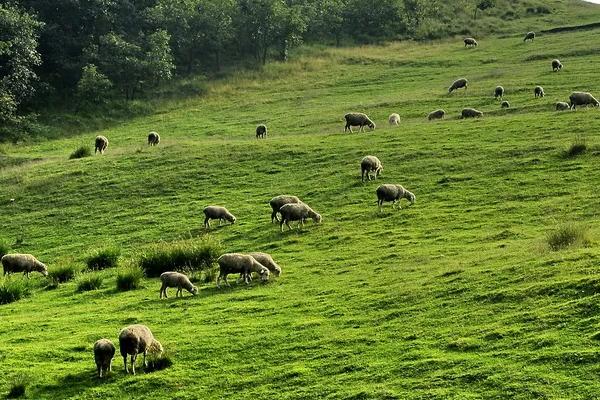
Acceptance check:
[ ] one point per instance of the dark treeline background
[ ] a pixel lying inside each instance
(91, 50)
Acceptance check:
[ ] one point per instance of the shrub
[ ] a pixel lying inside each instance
(93, 85)
(13, 289)
(80, 152)
(87, 282)
(568, 235)
(103, 258)
(129, 278)
(63, 273)
(576, 148)
(158, 362)
(187, 255)
(18, 387)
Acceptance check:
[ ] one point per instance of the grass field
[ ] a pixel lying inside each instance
(458, 296)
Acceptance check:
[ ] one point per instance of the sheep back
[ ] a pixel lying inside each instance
(153, 138)
(101, 143)
(266, 260)
(394, 119)
(556, 65)
(25, 263)
(261, 131)
(218, 212)
(582, 99)
(357, 119)
(561, 106)
(499, 92)
(505, 104)
(471, 113)
(104, 351)
(136, 339)
(529, 36)
(437, 114)
(457, 84)
(538, 91)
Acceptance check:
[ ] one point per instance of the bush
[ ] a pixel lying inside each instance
(129, 278)
(82, 151)
(87, 282)
(63, 273)
(578, 147)
(18, 387)
(104, 258)
(93, 85)
(189, 255)
(158, 362)
(13, 289)
(568, 235)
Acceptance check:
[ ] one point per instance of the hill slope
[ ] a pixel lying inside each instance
(455, 297)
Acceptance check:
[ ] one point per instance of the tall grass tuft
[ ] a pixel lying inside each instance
(579, 146)
(64, 273)
(14, 288)
(107, 257)
(81, 152)
(129, 278)
(189, 255)
(18, 387)
(568, 235)
(91, 281)
(158, 362)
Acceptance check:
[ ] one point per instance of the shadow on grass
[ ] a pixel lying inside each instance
(73, 385)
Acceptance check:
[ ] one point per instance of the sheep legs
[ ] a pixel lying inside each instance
(163, 289)
(274, 216)
(206, 223)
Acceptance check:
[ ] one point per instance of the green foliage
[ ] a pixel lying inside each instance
(186, 255)
(13, 288)
(89, 281)
(107, 257)
(129, 278)
(63, 273)
(93, 86)
(81, 152)
(568, 235)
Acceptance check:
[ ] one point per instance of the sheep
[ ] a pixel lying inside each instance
(538, 91)
(358, 119)
(25, 263)
(470, 113)
(261, 131)
(499, 92)
(393, 193)
(297, 212)
(267, 261)
(370, 164)
(457, 84)
(505, 104)
(561, 106)
(394, 119)
(178, 280)
(136, 339)
(437, 114)
(234, 263)
(556, 65)
(529, 36)
(101, 144)
(217, 212)
(582, 99)
(104, 351)
(279, 201)
(470, 42)
(153, 138)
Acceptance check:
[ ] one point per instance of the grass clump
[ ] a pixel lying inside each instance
(129, 278)
(63, 273)
(579, 146)
(87, 282)
(81, 152)
(158, 362)
(187, 255)
(568, 235)
(107, 257)
(13, 289)
(18, 387)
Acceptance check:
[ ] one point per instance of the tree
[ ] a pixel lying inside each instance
(484, 5)
(93, 86)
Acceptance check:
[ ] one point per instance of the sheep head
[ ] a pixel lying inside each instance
(372, 125)
(264, 274)
(41, 268)
(194, 290)
(410, 197)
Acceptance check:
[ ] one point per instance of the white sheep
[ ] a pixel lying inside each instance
(470, 113)
(538, 91)
(104, 351)
(556, 65)
(393, 193)
(470, 42)
(394, 119)
(297, 212)
(217, 212)
(457, 84)
(370, 164)
(358, 119)
(529, 36)
(437, 114)
(279, 201)
(499, 92)
(136, 339)
(561, 106)
(243, 264)
(153, 138)
(266, 260)
(176, 280)
(101, 144)
(25, 263)
(505, 104)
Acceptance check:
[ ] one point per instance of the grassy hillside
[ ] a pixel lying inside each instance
(455, 297)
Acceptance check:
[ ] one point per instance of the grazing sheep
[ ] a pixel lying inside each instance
(470, 113)
(370, 164)
(101, 144)
(437, 114)
(457, 84)
(261, 131)
(25, 263)
(394, 119)
(297, 212)
(556, 65)
(217, 212)
(499, 92)
(136, 339)
(561, 106)
(266, 260)
(505, 104)
(235, 263)
(470, 42)
(279, 201)
(538, 91)
(393, 193)
(582, 99)
(176, 280)
(104, 351)
(529, 36)
(153, 138)
(358, 119)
